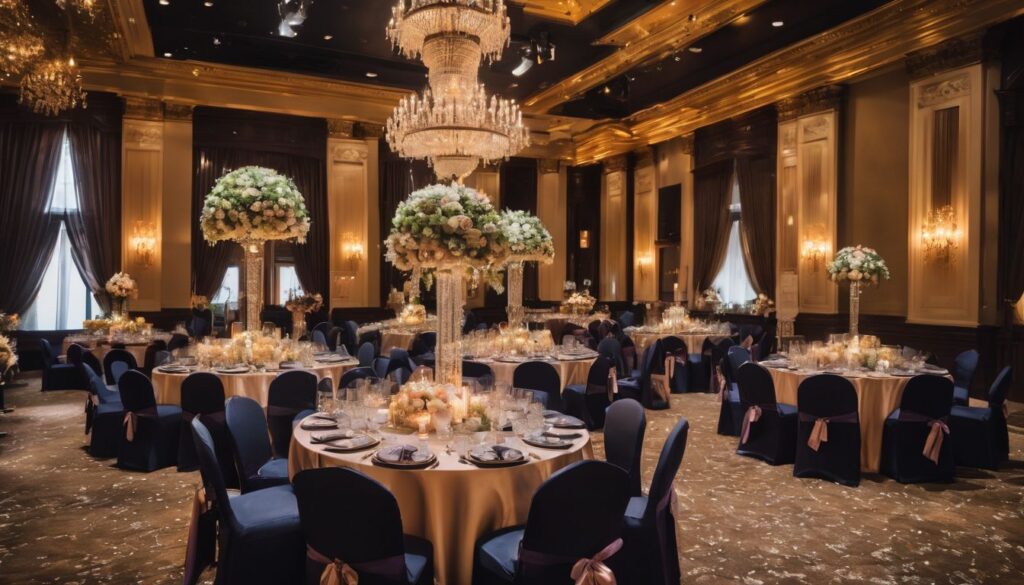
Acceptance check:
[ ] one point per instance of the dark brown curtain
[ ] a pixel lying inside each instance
(756, 179)
(29, 154)
(94, 229)
(518, 185)
(945, 144)
(711, 220)
(1011, 191)
(398, 178)
(225, 139)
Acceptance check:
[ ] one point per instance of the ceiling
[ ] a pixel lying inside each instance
(344, 39)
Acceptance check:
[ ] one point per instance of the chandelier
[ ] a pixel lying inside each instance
(51, 86)
(19, 43)
(454, 132)
(84, 6)
(415, 22)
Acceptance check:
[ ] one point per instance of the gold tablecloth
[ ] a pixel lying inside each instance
(453, 504)
(877, 397)
(396, 339)
(100, 350)
(694, 341)
(569, 371)
(255, 385)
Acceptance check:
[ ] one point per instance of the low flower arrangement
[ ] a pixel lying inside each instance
(97, 325)
(413, 314)
(8, 357)
(305, 303)
(122, 286)
(858, 264)
(580, 302)
(9, 322)
(128, 326)
(762, 305)
(251, 348)
(420, 401)
(254, 203)
(528, 239)
(200, 302)
(711, 297)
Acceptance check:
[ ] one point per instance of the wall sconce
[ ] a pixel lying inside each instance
(143, 241)
(939, 234)
(644, 262)
(584, 239)
(814, 251)
(352, 252)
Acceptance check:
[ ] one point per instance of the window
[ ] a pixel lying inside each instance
(287, 283)
(227, 294)
(63, 300)
(733, 282)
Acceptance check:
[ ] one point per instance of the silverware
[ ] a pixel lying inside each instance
(434, 464)
(534, 455)
(465, 461)
(368, 455)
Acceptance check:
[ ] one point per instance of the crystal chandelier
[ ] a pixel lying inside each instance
(454, 132)
(84, 6)
(51, 86)
(415, 22)
(19, 43)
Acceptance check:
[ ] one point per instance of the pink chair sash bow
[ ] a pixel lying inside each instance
(338, 572)
(933, 442)
(613, 384)
(593, 571)
(819, 433)
(752, 415)
(718, 378)
(131, 421)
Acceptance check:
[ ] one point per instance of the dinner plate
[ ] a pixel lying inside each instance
(233, 370)
(353, 445)
(495, 456)
(174, 370)
(565, 421)
(546, 442)
(414, 458)
(318, 424)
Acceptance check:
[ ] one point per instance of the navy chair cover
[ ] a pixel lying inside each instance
(290, 393)
(730, 415)
(319, 337)
(334, 337)
(568, 520)
(980, 437)
(351, 376)
(202, 395)
(641, 388)
(149, 360)
(363, 530)
(102, 392)
(116, 356)
(543, 379)
(200, 326)
(89, 358)
(626, 318)
(676, 347)
(624, 426)
(650, 556)
(588, 402)
(366, 355)
(476, 370)
(161, 357)
(260, 536)
(150, 438)
(964, 367)
(58, 376)
(918, 431)
(611, 349)
(103, 419)
(73, 355)
(177, 341)
(250, 443)
(831, 398)
(400, 365)
(324, 327)
(768, 430)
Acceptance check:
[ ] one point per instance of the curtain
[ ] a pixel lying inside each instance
(398, 178)
(29, 154)
(209, 263)
(756, 179)
(312, 259)
(711, 220)
(944, 155)
(1011, 188)
(518, 188)
(94, 229)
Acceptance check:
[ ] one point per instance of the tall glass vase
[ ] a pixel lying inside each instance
(298, 324)
(253, 283)
(854, 306)
(451, 292)
(514, 310)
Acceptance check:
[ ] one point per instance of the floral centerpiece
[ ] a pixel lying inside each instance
(857, 265)
(529, 241)
(252, 348)
(96, 326)
(8, 357)
(762, 305)
(200, 302)
(413, 314)
(447, 230)
(711, 298)
(568, 288)
(128, 326)
(580, 302)
(300, 306)
(251, 205)
(417, 404)
(121, 287)
(9, 322)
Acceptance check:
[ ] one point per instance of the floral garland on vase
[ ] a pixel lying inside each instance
(254, 204)
(528, 239)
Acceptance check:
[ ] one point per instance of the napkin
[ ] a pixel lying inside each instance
(316, 439)
(398, 453)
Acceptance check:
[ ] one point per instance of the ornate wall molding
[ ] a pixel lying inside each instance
(174, 111)
(548, 165)
(341, 128)
(144, 134)
(644, 156)
(951, 54)
(370, 130)
(614, 164)
(944, 90)
(349, 153)
(822, 99)
(143, 109)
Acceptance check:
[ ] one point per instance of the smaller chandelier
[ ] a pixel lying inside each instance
(454, 133)
(52, 86)
(88, 7)
(484, 22)
(20, 45)
(939, 235)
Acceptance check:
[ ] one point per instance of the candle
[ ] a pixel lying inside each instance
(422, 421)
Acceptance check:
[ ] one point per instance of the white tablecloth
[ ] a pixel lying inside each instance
(255, 385)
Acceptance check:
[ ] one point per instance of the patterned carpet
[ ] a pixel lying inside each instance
(67, 518)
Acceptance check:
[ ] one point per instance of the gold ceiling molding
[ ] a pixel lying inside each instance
(340, 128)
(875, 40)
(614, 164)
(673, 35)
(686, 144)
(174, 111)
(547, 166)
(137, 108)
(567, 11)
(817, 100)
(951, 54)
(133, 34)
(644, 156)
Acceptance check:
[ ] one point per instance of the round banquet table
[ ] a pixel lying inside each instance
(877, 397)
(452, 504)
(694, 341)
(396, 339)
(569, 371)
(101, 349)
(255, 385)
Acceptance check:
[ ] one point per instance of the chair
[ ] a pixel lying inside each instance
(350, 336)
(768, 430)
(730, 415)
(589, 401)
(642, 388)
(200, 326)
(568, 521)
(828, 420)
(624, 426)
(150, 438)
(260, 540)
(334, 338)
(318, 336)
(650, 552)
(610, 348)
(250, 442)
(399, 366)
(88, 358)
(58, 376)
(366, 354)
(149, 360)
(676, 347)
(380, 366)
(914, 442)
(627, 318)
(103, 419)
(324, 327)
(103, 393)
(476, 370)
(964, 367)
(161, 357)
(177, 341)
(352, 375)
(543, 379)
(202, 395)
(980, 437)
(124, 359)
(362, 530)
(290, 393)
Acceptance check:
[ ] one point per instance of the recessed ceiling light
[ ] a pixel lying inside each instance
(216, 41)
(167, 54)
(164, 2)
(208, 4)
(695, 49)
(778, 23)
(328, 37)
(371, 74)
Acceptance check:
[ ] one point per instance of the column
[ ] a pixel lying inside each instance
(142, 200)
(613, 230)
(551, 209)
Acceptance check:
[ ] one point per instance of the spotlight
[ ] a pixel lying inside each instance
(695, 50)
(778, 23)
(371, 74)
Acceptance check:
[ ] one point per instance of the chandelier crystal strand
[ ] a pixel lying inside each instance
(52, 86)
(450, 300)
(514, 310)
(20, 43)
(414, 21)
